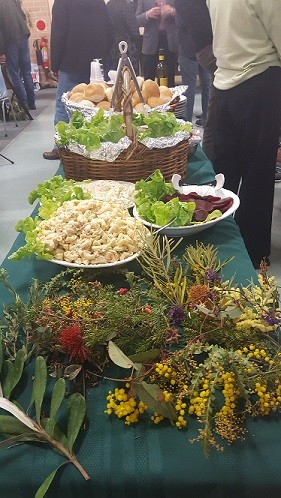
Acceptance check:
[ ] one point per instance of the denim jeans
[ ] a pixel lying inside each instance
(19, 67)
(189, 71)
(66, 81)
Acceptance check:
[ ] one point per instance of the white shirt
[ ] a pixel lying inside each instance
(247, 38)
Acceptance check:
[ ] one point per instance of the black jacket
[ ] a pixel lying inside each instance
(195, 16)
(81, 31)
(13, 24)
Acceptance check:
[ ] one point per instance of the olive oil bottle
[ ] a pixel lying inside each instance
(162, 69)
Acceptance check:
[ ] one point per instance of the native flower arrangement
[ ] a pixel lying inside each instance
(188, 344)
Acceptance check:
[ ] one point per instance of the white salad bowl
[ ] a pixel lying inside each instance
(183, 231)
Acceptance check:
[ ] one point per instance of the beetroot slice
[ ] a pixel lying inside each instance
(200, 214)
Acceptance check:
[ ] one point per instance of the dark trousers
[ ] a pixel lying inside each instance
(245, 146)
(150, 61)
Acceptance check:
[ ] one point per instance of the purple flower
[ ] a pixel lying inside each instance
(176, 315)
(211, 276)
(271, 318)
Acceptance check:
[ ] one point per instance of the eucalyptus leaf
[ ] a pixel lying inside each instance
(1, 353)
(16, 371)
(19, 414)
(26, 437)
(57, 397)
(11, 425)
(6, 376)
(47, 483)
(51, 427)
(118, 357)
(72, 371)
(150, 395)
(39, 385)
(149, 355)
(76, 415)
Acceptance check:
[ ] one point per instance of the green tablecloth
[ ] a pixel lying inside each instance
(147, 461)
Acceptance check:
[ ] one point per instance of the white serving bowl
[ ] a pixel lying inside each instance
(199, 227)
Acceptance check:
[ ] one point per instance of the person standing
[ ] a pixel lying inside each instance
(247, 47)
(160, 31)
(14, 50)
(190, 69)
(123, 18)
(81, 31)
(195, 18)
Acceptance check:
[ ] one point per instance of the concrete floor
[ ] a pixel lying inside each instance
(25, 147)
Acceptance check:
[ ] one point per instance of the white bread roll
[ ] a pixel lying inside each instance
(139, 107)
(151, 88)
(109, 92)
(88, 103)
(77, 97)
(104, 104)
(79, 88)
(94, 92)
(140, 81)
(165, 92)
(155, 102)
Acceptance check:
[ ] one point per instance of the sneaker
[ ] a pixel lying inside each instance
(278, 173)
(32, 107)
(53, 154)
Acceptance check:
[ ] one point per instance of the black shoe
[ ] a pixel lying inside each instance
(32, 107)
(199, 115)
(199, 122)
(258, 261)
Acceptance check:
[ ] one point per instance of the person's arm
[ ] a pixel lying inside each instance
(58, 32)
(269, 14)
(144, 17)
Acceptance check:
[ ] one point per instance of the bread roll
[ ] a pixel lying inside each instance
(94, 92)
(109, 93)
(135, 99)
(104, 104)
(151, 88)
(144, 95)
(155, 101)
(165, 99)
(77, 97)
(79, 88)
(88, 103)
(140, 81)
(139, 107)
(165, 91)
(132, 86)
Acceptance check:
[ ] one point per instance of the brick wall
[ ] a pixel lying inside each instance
(37, 10)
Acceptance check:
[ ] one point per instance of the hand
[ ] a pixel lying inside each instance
(168, 11)
(2, 59)
(153, 13)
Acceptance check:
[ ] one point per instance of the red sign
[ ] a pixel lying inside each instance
(40, 25)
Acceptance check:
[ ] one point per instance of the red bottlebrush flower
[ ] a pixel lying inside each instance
(147, 309)
(122, 290)
(72, 342)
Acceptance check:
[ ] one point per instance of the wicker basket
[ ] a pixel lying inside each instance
(132, 164)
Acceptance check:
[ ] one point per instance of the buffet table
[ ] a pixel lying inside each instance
(144, 460)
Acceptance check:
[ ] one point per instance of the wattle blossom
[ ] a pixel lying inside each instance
(72, 343)
(176, 315)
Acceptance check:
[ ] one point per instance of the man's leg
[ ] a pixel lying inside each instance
(12, 61)
(189, 70)
(25, 69)
(206, 82)
(66, 82)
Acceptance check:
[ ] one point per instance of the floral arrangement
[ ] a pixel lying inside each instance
(187, 343)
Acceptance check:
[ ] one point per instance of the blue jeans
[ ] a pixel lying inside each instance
(19, 67)
(66, 81)
(189, 71)
(190, 68)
